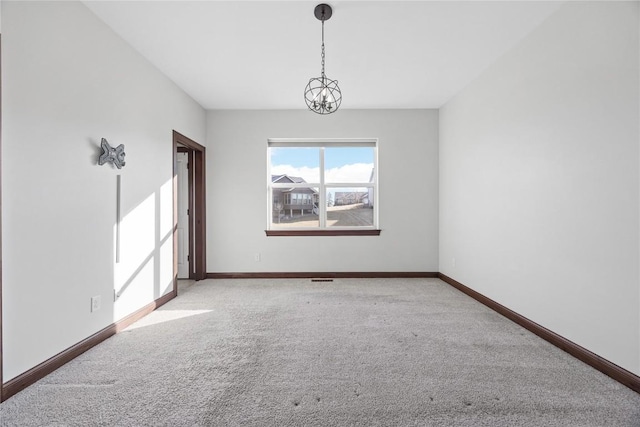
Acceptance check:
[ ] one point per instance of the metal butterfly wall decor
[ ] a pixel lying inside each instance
(111, 155)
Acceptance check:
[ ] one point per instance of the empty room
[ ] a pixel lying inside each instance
(296, 213)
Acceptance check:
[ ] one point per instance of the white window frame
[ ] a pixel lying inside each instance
(321, 144)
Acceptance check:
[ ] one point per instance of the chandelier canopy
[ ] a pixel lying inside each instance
(322, 95)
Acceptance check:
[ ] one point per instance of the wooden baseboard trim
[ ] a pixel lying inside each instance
(614, 371)
(326, 275)
(45, 368)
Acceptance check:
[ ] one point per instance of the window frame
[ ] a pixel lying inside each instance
(323, 229)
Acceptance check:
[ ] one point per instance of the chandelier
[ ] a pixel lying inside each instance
(322, 94)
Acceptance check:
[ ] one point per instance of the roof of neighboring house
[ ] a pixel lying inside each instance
(287, 178)
(290, 179)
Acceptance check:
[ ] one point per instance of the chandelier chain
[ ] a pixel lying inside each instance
(322, 49)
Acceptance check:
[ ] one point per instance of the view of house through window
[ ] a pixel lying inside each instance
(322, 184)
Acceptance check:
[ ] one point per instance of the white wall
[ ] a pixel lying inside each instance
(69, 81)
(539, 168)
(408, 192)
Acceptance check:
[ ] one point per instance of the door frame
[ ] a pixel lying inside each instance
(190, 255)
(2, 391)
(197, 207)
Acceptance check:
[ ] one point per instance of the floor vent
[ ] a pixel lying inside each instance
(322, 280)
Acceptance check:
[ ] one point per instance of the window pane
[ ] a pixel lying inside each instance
(295, 164)
(295, 208)
(348, 164)
(350, 207)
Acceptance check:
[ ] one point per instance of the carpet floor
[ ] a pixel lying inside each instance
(356, 352)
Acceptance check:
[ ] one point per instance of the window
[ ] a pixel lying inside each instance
(325, 187)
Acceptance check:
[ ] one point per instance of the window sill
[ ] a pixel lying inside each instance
(367, 232)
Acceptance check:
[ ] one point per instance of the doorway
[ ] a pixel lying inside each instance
(188, 209)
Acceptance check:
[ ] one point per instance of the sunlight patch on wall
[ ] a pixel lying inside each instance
(137, 238)
(134, 274)
(166, 208)
(139, 289)
(167, 224)
(165, 282)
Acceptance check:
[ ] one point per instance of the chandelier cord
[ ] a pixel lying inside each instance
(322, 74)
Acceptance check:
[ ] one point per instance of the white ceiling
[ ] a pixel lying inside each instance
(261, 54)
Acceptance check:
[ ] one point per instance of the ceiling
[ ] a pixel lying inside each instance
(261, 54)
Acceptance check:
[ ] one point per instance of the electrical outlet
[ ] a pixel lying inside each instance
(256, 256)
(95, 303)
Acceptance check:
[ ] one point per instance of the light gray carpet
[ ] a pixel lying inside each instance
(348, 353)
